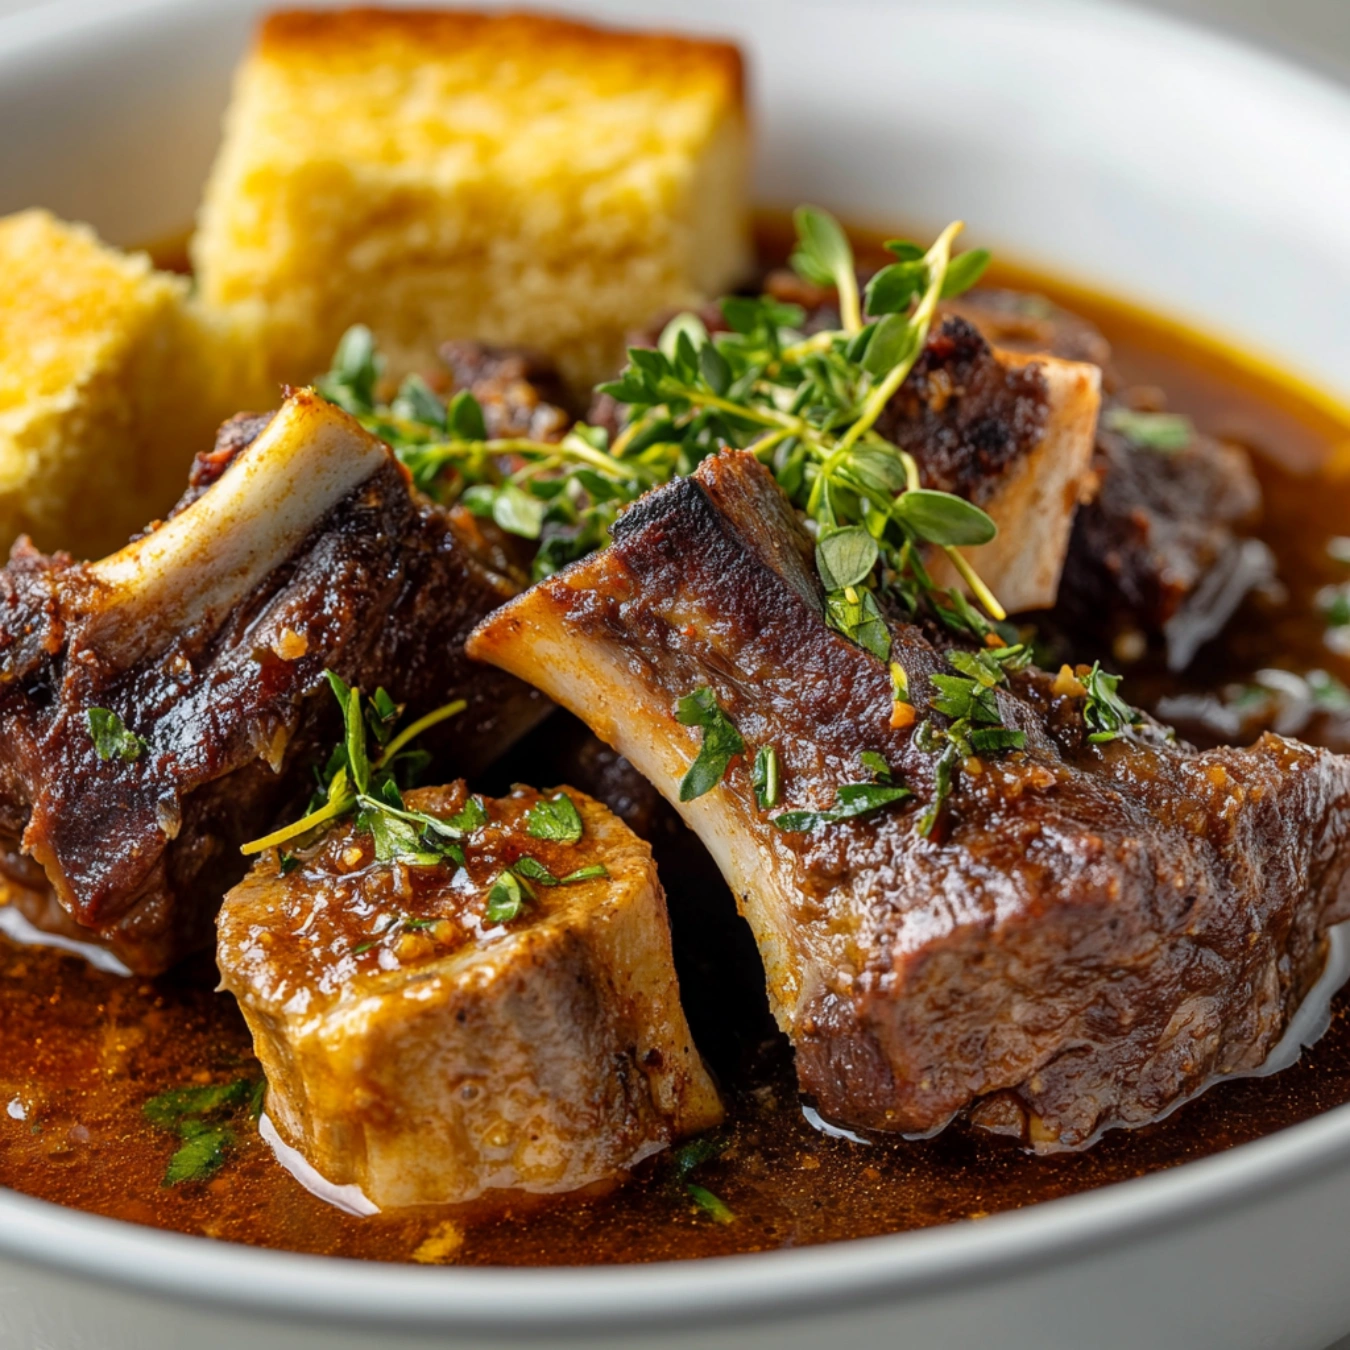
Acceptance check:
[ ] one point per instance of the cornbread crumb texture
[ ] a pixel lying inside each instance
(110, 381)
(514, 178)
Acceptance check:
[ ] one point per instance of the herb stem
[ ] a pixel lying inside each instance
(418, 727)
(328, 811)
(972, 579)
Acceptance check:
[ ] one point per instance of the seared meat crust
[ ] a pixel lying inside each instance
(1093, 931)
(231, 702)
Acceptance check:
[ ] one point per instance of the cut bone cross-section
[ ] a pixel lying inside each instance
(427, 1048)
(1091, 933)
(207, 639)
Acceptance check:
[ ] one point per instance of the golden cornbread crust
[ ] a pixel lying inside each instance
(513, 178)
(110, 381)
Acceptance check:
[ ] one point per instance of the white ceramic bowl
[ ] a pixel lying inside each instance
(1173, 167)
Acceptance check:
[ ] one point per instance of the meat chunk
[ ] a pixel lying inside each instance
(206, 640)
(520, 392)
(1092, 931)
(428, 1047)
(1161, 549)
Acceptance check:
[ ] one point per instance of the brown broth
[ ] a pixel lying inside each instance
(83, 1051)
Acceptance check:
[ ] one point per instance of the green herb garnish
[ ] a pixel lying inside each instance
(764, 777)
(715, 1208)
(506, 898)
(1105, 712)
(694, 1154)
(851, 800)
(353, 781)
(721, 742)
(199, 1117)
(1165, 432)
(111, 738)
(555, 819)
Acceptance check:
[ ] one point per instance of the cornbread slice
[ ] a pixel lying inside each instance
(426, 1045)
(111, 379)
(516, 179)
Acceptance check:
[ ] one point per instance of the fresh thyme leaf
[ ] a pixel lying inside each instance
(721, 742)
(944, 773)
(417, 402)
(505, 899)
(904, 249)
(350, 383)
(555, 819)
(170, 1108)
(964, 270)
(1166, 432)
(588, 873)
(958, 697)
(202, 1153)
(518, 512)
(846, 557)
(854, 613)
(534, 870)
(891, 290)
(764, 777)
(464, 418)
(710, 1204)
(851, 800)
(823, 251)
(942, 518)
(876, 765)
(111, 738)
(1105, 712)
(194, 1113)
(988, 740)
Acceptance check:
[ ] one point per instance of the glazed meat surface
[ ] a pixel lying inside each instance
(427, 1049)
(301, 547)
(1088, 936)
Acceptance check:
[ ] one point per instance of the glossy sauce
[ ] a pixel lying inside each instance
(83, 1051)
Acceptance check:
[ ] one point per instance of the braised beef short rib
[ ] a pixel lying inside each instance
(1089, 935)
(300, 546)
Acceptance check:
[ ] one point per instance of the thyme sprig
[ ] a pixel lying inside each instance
(371, 786)
(807, 406)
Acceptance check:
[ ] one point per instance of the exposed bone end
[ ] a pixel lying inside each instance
(536, 638)
(1034, 505)
(539, 1055)
(197, 566)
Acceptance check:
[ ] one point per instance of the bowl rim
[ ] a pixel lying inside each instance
(547, 1301)
(544, 1302)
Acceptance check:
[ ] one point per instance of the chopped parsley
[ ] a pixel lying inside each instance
(200, 1117)
(851, 800)
(721, 742)
(111, 738)
(555, 819)
(683, 1162)
(1107, 714)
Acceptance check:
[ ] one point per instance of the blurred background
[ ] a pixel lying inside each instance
(1316, 32)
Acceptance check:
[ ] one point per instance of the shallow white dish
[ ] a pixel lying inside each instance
(1175, 168)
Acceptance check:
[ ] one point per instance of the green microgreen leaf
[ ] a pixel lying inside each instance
(555, 819)
(764, 777)
(1104, 711)
(716, 1209)
(851, 801)
(964, 270)
(943, 518)
(351, 380)
(112, 740)
(846, 557)
(505, 899)
(416, 401)
(876, 765)
(588, 873)
(464, 418)
(894, 288)
(721, 742)
(1165, 432)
